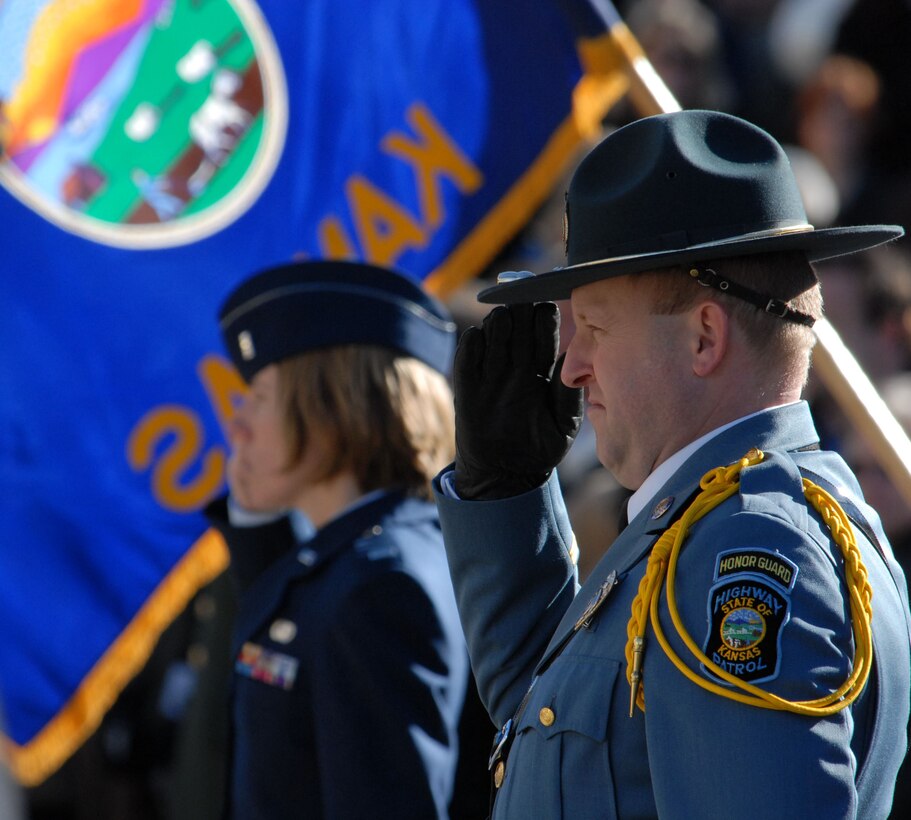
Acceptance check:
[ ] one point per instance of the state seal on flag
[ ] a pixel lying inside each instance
(139, 124)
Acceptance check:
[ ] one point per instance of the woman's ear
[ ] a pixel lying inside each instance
(710, 326)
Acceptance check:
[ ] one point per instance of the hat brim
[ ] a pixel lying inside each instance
(559, 283)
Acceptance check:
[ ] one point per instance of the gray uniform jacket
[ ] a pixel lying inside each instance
(759, 572)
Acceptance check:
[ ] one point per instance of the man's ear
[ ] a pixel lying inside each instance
(710, 327)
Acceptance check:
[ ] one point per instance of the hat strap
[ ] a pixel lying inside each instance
(710, 279)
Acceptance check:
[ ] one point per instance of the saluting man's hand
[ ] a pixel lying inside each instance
(515, 419)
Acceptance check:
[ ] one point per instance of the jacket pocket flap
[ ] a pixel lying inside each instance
(573, 695)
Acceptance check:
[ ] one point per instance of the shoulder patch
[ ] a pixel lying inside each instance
(748, 608)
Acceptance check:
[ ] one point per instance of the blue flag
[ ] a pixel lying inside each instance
(155, 153)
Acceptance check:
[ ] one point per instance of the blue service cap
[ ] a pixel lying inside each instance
(301, 306)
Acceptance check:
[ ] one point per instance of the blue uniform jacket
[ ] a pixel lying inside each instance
(577, 754)
(350, 671)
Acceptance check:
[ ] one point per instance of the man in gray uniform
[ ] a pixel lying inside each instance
(742, 649)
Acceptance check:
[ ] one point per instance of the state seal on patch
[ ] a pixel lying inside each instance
(742, 628)
(748, 608)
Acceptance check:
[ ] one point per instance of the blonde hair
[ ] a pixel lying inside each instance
(786, 276)
(386, 417)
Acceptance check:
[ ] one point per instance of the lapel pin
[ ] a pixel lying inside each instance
(662, 507)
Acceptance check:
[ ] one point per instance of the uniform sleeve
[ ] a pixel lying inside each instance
(383, 705)
(768, 603)
(514, 577)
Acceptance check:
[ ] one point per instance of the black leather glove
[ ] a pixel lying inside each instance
(515, 419)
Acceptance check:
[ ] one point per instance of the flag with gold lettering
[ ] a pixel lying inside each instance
(156, 152)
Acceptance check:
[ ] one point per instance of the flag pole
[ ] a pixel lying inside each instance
(836, 366)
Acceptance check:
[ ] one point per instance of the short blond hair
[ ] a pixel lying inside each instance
(786, 276)
(386, 417)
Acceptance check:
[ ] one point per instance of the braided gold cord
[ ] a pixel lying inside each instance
(635, 629)
(717, 486)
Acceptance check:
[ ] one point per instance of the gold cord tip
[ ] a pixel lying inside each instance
(636, 674)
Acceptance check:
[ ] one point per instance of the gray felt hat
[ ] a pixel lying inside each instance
(681, 188)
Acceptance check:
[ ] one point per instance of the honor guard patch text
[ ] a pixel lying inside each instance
(757, 561)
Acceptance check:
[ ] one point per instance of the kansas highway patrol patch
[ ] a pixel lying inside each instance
(748, 608)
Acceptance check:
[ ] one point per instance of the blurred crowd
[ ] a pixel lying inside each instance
(828, 79)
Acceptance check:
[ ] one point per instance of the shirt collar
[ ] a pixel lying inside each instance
(303, 526)
(663, 472)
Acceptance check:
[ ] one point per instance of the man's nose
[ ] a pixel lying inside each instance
(575, 372)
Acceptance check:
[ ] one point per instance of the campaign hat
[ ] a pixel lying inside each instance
(679, 189)
(293, 308)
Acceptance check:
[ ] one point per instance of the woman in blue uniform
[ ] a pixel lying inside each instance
(350, 668)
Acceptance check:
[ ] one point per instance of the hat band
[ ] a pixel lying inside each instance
(682, 241)
(710, 279)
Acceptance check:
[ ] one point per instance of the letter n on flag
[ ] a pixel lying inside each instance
(156, 152)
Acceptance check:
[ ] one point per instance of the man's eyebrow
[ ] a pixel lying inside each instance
(590, 314)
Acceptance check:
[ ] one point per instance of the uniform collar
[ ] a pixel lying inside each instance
(664, 471)
(346, 527)
(787, 428)
(303, 527)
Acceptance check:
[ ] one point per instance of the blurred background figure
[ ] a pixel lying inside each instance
(682, 39)
(838, 110)
(878, 32)
(869, 303)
